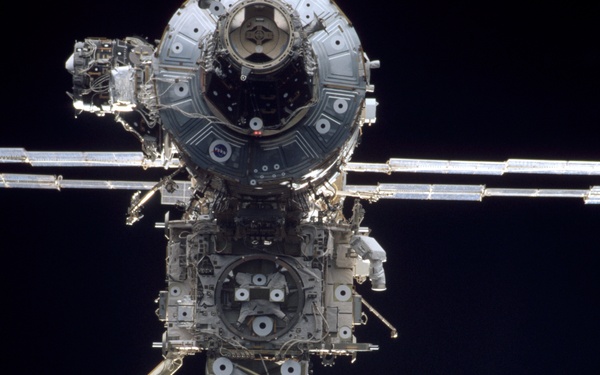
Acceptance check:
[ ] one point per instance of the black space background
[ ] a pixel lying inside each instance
(503, 286)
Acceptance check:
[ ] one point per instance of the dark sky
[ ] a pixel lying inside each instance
(503, 286)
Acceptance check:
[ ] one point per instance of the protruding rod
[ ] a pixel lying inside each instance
(461, 192)
(34, 181)
(138, 200)
(168, 366)
(83, 159)
(394, 331)
(525, 166)
(172, 192)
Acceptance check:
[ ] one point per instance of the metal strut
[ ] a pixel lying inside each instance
(491, 168)
(394, 331)
(138, 201)
(461, 192)
(168, 366)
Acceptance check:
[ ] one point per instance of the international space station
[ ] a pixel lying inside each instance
(253, 108)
